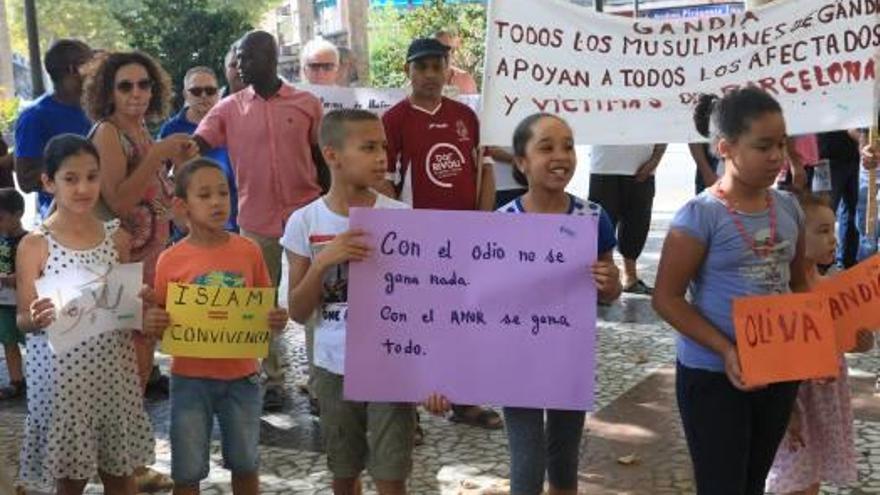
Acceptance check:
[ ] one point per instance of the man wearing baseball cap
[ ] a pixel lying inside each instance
(433, 141)
(433, 158)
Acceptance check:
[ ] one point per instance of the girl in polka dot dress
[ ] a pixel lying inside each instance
(85, 411)
(819, 445)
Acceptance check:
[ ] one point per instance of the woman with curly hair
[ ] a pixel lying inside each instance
(122, 92)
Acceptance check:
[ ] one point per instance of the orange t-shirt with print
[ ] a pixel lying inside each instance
(236, 263)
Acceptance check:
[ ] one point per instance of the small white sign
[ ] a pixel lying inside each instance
(90, 301)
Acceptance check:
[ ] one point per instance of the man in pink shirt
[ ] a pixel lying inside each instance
(270, 129)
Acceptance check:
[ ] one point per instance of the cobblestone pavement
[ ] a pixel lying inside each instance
(636, 416)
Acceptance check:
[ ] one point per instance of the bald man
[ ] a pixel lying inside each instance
(271, 132)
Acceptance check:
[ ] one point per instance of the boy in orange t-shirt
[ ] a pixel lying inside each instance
(202, 389)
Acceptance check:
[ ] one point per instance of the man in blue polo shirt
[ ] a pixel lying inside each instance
(52, 114)
(201, 92)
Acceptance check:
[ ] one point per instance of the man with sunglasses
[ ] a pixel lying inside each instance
(54, 113)
(320, 62)
(201, 92)
(271, 131)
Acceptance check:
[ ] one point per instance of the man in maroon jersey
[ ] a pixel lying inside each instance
(434, 159)
(433, 141)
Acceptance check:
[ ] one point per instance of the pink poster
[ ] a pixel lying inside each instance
(486, 308)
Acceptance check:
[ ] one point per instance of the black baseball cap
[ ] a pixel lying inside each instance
(426, 47)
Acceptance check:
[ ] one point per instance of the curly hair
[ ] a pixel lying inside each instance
(101, 79)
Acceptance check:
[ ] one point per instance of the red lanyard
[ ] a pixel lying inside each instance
(760, 251)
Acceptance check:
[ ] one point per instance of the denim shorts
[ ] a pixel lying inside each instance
(195, 402)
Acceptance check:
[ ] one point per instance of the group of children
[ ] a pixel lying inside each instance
(738, 238)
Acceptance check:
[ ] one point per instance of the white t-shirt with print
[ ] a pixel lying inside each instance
(307, 232)
(619, 159)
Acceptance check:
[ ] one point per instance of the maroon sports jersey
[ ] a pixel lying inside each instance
(432, 156)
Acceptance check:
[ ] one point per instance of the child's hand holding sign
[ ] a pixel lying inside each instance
(278, 319)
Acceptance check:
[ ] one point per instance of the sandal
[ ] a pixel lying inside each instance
(15, 390)
(150, 481)
(485, 418)
(640, 288)
(273, 399)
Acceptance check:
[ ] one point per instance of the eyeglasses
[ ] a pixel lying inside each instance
(197, 91)
(128, 86)
(325, 67)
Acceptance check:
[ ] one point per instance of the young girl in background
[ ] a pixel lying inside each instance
(819, 445)
(737, 238)
(548, 441)
(85, 411)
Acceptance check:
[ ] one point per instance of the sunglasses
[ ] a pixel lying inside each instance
(197, 91)
(326, 67)
(128, 86)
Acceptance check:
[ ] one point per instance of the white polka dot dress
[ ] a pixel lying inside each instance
(38, 370)
(86, 413)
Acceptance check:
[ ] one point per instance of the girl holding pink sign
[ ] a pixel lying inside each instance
(547, 441)
(543, 148)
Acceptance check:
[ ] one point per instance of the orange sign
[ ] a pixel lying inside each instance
(784, 338)
(854, 300)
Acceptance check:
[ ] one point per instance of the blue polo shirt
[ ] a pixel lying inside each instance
(44, 119)
(180, 125)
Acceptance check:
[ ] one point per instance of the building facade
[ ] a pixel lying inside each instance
(343, 22)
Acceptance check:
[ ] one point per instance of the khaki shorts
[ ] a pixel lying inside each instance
(377, 436)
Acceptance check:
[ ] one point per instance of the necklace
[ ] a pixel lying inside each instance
(761, 251)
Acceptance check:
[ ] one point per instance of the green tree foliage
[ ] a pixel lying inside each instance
(200, 33)
(8, 114)
(96, 23)
(89, 21)
(392, 29)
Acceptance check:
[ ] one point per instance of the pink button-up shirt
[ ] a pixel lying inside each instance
(270, 146)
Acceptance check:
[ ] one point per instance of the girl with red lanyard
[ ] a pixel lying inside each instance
(740, 237)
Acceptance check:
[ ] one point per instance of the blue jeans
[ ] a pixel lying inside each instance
(195, 402)
(536, 448)
(867, 247)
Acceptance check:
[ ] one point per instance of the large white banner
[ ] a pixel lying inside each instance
(376, 100)
(619, 80)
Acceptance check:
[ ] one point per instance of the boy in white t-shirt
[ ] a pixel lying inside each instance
(319, 246)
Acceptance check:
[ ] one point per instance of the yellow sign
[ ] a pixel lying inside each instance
(218, 322)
